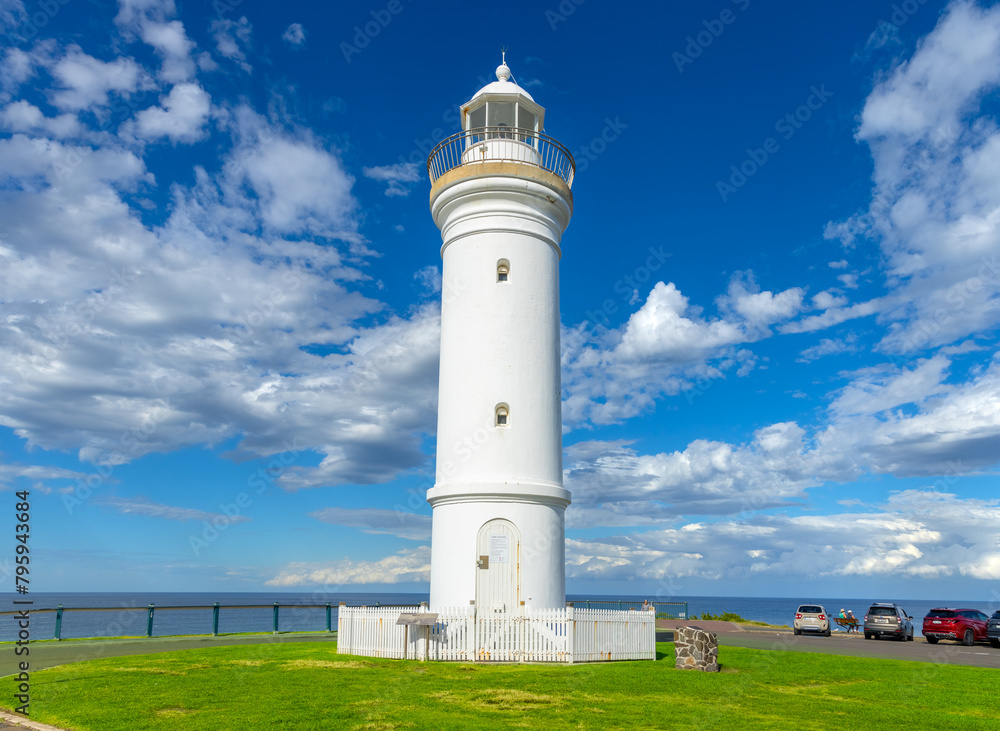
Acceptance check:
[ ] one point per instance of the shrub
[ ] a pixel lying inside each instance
(724, 617)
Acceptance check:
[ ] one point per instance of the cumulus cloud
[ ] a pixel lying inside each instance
(707, 478)
(16, 67)
(180, 117)
(899, 421)
(667, 347)
(297, 184)
(914, 533)
(86, 82)
(22, 116)
(828, 299)
(150, 21)
(403, 567)
(238, 316)
(759, 310)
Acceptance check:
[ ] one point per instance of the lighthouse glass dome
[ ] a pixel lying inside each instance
(499, 117)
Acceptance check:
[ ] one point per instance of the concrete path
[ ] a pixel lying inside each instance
(14, 722)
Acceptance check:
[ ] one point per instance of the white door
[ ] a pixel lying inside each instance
(498, 567)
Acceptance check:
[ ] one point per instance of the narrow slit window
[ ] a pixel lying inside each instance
(503, 270)
(502, 415)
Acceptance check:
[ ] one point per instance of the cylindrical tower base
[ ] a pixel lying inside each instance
(498, 548)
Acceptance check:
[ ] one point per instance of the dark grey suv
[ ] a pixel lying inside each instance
(886, 619)
(993, 629)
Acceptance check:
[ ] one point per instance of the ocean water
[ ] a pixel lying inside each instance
(125, 614)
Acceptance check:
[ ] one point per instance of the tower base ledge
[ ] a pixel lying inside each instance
(498, 492)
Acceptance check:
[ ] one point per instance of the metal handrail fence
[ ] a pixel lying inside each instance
(216, 609)
(501, 144)
(675, 609)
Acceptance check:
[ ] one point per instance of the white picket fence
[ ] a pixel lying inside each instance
(563, 635)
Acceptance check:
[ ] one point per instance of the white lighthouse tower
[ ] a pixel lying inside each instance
(501, 196)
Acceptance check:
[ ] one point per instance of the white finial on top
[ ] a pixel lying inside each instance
(503, 72)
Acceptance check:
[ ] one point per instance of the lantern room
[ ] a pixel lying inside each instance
(501, 124)
(503, 110)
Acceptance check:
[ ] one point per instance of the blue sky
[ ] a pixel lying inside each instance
(220, 285)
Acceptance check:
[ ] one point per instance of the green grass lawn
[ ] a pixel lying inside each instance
(307, 686)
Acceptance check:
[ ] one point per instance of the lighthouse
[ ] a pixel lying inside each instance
(501, 197)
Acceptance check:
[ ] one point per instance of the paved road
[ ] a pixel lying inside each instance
(842, 643)
(948, 653)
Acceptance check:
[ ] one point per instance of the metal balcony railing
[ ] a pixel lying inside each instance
(501, 144)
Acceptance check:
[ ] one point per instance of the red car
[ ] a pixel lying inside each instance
(968, 626)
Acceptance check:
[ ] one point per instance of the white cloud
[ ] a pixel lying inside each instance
(181, 116)
(707, 478)
(826, 347)
(849, 281)
(231, 38)
(12, 14)
(396, 176)
(149, 509)
(10, 472)
(759, 309)
(16, 67)
(666, 347)
(903, 422)
(403, 567)
(877, 390)
(86, 81)
(295, 34)
(21, 116)
(667, 329)
(936, 202)
(950, 67)
(915, 533)
(297, 184)
(828, 299)
(150, 20)
(429, 278)
(206, 327)
(833, 316)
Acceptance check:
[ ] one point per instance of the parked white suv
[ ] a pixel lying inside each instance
(811, 618)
